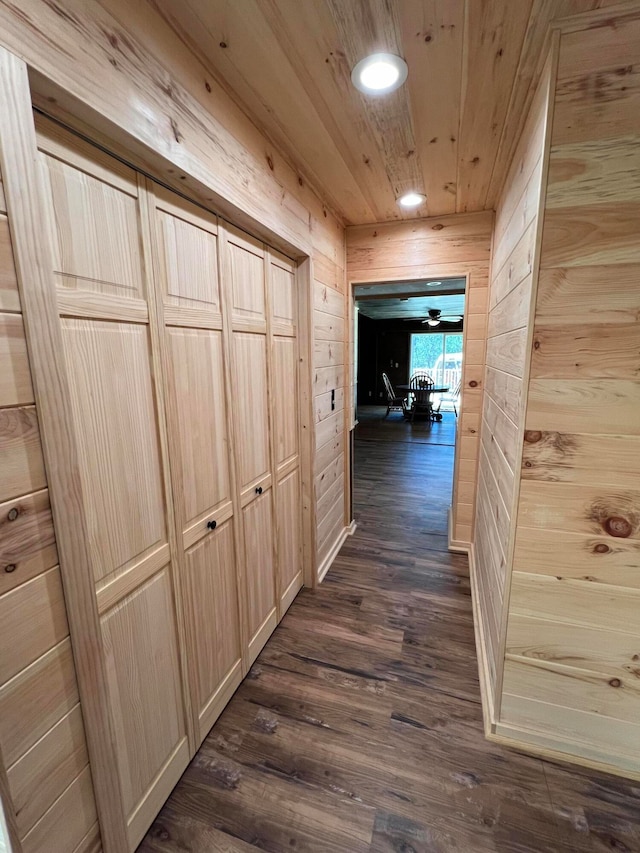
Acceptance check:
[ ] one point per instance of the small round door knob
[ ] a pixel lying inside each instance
(212, 525)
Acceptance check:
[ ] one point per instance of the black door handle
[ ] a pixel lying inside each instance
(258, 490)
(212, 525)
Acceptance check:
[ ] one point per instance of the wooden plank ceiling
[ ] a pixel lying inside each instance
(449, 132)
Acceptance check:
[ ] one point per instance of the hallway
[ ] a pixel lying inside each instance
(359, 728)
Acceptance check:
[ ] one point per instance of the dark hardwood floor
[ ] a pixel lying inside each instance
(374, 426)
(359, 727)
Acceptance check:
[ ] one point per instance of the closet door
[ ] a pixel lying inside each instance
(97, 234)
(285, 419)
(246, 294)
(186, 261)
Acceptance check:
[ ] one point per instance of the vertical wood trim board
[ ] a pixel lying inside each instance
(24, 194)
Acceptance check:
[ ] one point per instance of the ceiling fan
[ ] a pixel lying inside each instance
(435, 317)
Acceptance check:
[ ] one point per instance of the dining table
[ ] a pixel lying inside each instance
(430, 391)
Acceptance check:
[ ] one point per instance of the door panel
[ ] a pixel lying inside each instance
(259, 569)
(288, 525)
(245, 274)
(145, 692)
(282, 294)
(196, 362)
(187, 255)
(285, 399)
(250, 410)
(95, 209)
(113, 408)
(213, 620)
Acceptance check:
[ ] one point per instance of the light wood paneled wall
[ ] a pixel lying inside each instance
(42, 739)
(331, 406)
(451, 246)
(511, 291)
(555, 561)
(573, 633)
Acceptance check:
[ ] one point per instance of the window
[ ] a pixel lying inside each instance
(440, 354)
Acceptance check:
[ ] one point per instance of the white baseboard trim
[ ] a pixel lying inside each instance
(545, 745)
(486, 688)
(453, 544)
(326, 564)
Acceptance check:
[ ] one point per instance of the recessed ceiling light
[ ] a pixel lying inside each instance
(412, 199)
(379, 73)
(433, 283)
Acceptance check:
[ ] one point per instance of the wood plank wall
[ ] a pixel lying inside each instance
(449, 246)
(331, 407)
(571, 680)
(511, 290)
(42, 739)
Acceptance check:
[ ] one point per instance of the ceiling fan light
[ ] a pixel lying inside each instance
(379, 73)
(412, 199)
(433, 322)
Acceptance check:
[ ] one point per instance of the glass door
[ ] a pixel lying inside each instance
(440, 354)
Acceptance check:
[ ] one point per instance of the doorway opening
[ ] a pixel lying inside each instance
(407, 333)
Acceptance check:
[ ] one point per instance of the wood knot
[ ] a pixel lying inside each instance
(532, 435)
(615, 682)
(473, 384)
(10, 567)
(528, 464)
(270, 162)
(13, 513)
(207, 86)
(601, 548)
(536, 344)
(223, 44)
(618, 526)
(437, 227)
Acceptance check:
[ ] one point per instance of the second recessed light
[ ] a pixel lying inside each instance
(412, 199)
(379, 73)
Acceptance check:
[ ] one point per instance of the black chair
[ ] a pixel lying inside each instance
(421, 385)
(395, 403)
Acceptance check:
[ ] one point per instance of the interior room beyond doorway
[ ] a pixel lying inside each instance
(406, 331)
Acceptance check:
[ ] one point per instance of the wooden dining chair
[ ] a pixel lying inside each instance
(394, 402)
(421, 384)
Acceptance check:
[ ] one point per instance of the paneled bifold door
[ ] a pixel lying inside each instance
(180, 346)
(100, 260)
(185, 243)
